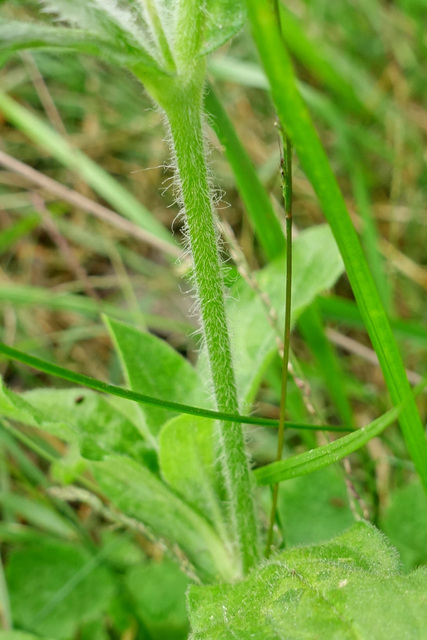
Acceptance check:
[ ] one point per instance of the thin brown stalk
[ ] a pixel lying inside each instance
(286, 175)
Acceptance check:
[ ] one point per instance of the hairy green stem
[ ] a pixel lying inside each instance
(185, 119)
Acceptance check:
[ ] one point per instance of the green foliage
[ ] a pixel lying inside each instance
(141, 495)
(157, 459)
(405, 523)
(297, 121)
(145, 359)
(317, 265)
(349, 587)
(326, 454)
(158, 592)
(54, 588)
(192, 440)
(314, 508)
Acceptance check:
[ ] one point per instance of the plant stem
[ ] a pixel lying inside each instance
(286, 174)
(185, 119)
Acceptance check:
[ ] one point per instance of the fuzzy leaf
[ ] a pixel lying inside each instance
(224, 18)
(141, 495)
(15, 407)
(55, 587)
(120, 23)
(348, 588)
(101, 428)
(154, 368)
(188, 464)
(15, 36)
(316, 264)
(100, 425)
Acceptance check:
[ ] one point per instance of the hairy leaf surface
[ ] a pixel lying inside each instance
(348, 588)
(153, 367)
(189, 465)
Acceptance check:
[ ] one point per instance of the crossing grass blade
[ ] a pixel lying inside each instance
(346, 312)
(103, 387)
(296, 119)
(327, 454)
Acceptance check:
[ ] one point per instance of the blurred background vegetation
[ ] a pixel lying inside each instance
(362, 72)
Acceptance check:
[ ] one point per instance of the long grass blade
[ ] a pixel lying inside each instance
(332, 452)
(299, 126)
(103, 387)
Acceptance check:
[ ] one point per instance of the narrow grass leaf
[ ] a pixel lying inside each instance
(311, 327)
(103, 387)
(329, 453)
(255, 198)
(346, 312)
(113, 192)
(298, 124)
(63, 301)
(18, 230)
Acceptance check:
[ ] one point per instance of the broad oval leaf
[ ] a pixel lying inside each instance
(348, 588)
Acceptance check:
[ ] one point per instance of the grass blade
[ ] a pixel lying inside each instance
(260, 210)
(329, 453)
(346, 311)
(299, 126)
(113, 192)
(103, 387)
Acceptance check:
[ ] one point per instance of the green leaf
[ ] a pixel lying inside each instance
(154, 368)
(314, 507)
(223, 19)
(16, 408)
(141, 495)
(325, 455)
(38, 514)
(100, 428)
(158, 594)
(189, 465)
(56, 587)
(405, 522)
(18, 635)
(92, 420)
(296, 119)
(15, 36)
(316, 265)
(126, 394)
(348, 588)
